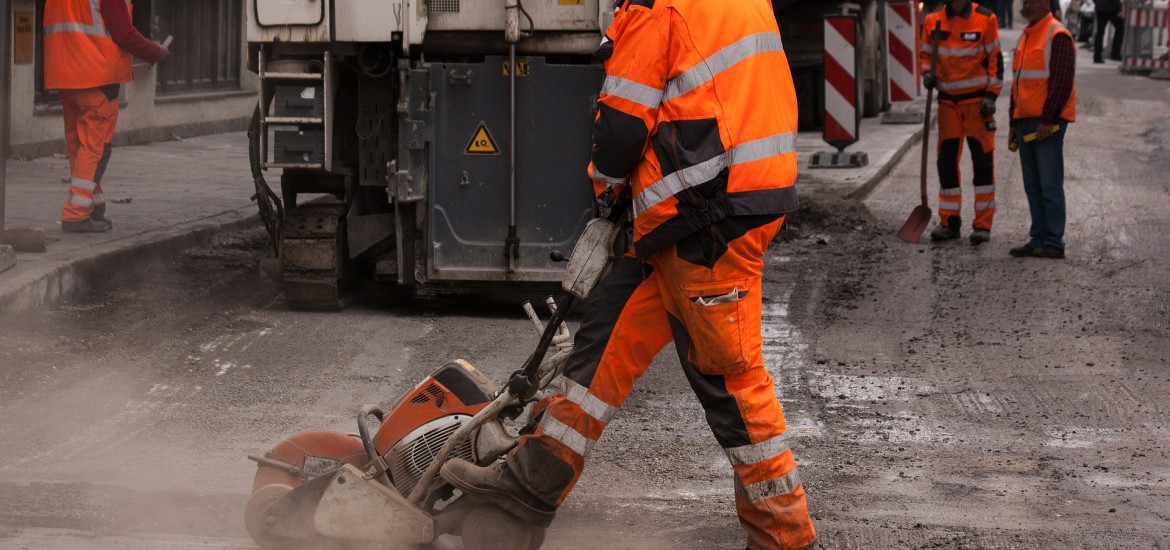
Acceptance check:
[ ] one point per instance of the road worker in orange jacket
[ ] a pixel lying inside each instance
(969, 79)
(697, 120)
(89, 45)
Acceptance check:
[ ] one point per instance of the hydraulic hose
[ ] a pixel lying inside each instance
(269, 205)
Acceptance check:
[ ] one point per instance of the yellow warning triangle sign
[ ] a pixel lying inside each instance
(481, 142)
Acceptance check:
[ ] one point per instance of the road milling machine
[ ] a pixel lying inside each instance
(445, 141)
(421, 142)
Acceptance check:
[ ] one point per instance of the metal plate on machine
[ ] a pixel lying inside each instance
(562, 15)
(469, 216)
(298, 146)
(274, 13)
(299, 101)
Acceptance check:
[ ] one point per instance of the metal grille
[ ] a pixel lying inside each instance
(409, 462)
(442, 6)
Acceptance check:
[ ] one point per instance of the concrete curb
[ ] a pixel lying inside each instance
(863, 191)
(74, 276)
(7, 258)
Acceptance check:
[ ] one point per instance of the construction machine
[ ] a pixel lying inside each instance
(430, 142)
(445, 141)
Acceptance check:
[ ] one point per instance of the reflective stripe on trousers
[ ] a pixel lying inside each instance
(90, 120)
(627, 320)
(960, 124)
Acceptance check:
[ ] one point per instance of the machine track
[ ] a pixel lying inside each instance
(313, 258)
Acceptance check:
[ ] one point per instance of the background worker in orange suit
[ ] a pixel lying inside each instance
(89, 47)
(697, 120)
(969, 79)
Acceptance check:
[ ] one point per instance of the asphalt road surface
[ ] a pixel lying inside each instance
(938, 396)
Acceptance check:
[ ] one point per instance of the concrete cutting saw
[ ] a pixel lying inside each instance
(330, 489)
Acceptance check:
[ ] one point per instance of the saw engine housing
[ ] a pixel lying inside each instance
(421, 422)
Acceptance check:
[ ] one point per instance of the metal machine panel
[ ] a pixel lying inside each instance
(274, 13)
(287, 21)
(375, 20)
(469, 206)
(480, 15)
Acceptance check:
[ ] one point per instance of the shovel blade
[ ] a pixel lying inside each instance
(916, 224)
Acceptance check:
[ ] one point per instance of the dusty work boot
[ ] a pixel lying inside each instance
(110, 224)
(980, 236)
(946, 232)
(99, 215)
(498, 485)
(1050, 252)
(1021, 251)
(87, 226)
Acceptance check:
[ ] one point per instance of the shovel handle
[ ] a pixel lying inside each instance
(929, 105)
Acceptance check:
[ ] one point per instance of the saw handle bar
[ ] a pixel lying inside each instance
(552, 369)
(524, 383)
(376, 460)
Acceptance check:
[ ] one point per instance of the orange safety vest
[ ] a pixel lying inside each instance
(79, 52)
(970, 60)
(697, 114)
(1031, 67)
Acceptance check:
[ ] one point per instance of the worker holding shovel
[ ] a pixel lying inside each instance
(961, 57)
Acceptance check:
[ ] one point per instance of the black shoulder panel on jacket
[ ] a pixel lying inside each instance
(984, 10)
(605, 50)
(618, 139)
(648, 4)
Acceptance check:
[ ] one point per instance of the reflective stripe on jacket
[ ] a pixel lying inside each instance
(970, 60)
(1031, 65)
(79, 52)
(697, 114)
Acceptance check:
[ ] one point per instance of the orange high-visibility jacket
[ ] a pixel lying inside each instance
(79, 52)
(970, 60)
(697, 115)
(1030, 64)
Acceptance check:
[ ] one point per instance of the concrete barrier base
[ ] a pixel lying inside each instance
(830, 159)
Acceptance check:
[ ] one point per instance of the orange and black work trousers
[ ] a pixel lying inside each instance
(90, 118)
(704, 293)
(956, 122)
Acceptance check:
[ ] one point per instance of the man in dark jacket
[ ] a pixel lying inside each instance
(1108, 11)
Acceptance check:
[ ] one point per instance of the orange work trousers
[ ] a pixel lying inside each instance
(91, 116)
(956, 122)
(703, 292)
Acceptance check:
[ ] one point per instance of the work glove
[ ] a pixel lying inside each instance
(988, 107)
(605, 203)
(929, 79)
(613, 202)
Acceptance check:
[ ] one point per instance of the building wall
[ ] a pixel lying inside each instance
(37, 131)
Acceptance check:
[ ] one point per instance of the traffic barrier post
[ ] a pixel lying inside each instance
(1144, 49)
(901, 63)
(842, 125)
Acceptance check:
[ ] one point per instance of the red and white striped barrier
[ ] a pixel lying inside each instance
(1146, 32)
(842, 125)
(900, 55)
(842, 94)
